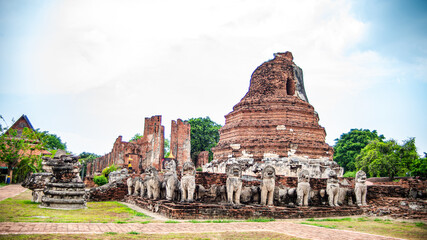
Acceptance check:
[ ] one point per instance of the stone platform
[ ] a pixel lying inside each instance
(225, 211)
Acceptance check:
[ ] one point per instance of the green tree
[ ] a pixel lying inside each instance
(20, 150)
(52, 141)
(349, 145)
(167, 148)
(419, 167)
(387, 159)
(85, 158)
(136, 137)
(204, 136)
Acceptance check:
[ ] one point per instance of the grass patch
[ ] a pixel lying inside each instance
(378, 226)
(192, 236)
(172, 221)
(2, 184)
(133, 232)
(21, 209)
(223, 221)
(419, 224)
(260, 220)
(319, 225)
(330, 219)
(110, 233)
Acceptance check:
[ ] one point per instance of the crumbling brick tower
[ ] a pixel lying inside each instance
(274, 118)
(153, 142)
(180, 144)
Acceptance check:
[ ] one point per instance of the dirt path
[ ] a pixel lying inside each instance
(292, 229)
(10, 191)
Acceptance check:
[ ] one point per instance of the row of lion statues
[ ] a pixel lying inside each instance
(184, 190)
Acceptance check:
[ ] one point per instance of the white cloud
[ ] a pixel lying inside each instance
(125, 60)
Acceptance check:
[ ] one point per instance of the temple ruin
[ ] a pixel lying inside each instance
(275, 124)
(147, 151)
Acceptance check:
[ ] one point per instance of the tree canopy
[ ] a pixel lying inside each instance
(350, 144)
(136, 137)
(388, 159)
(52, 141)
(204, 136)
(21, 152)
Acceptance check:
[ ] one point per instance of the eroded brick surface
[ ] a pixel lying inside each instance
(274, 117)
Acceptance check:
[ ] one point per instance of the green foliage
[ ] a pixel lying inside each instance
(100, 180)
(87, 156)
(20, 151)
(136, 137)
(109, 169)
(387, 159)
(204, 136)
(84, 159)
(419, 167)
(51, 141)
(199, 169)
(350, 174)
(167, 148)
(349, 145)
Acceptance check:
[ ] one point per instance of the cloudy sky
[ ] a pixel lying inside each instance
(90, 71)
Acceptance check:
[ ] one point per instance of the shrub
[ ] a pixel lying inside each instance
(109, 169)
(100, 180)
(199, 169)
(350, 174)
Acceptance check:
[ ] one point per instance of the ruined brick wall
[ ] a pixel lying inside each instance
(147, 151)
(202, 158)
(115, 191)
(180, 144)
(121, 154)
(273, 118)
(153, 142)
(89, 183)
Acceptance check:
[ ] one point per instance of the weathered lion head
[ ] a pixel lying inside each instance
(234, 170)
(304, 176)
(361, 176)
(151, 171)
(268, 172)
(188, 169)
(170, 166)
(332, 174)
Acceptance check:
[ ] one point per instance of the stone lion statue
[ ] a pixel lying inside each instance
(142, 186)
(153, 183)
(360, 188)
(268, 184)
(234, 183)
(333, 189)
(303, 188)
(137, 186)
(170, 180)
(129, 182)
(188, 182)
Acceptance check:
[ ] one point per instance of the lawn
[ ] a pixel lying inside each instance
(136, 235)
(21, 209)
(378, 226)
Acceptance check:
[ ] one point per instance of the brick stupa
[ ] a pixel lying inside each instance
(274, 120)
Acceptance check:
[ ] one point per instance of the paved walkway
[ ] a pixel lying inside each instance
(288, 228)
(297, 230)
(11, 191)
